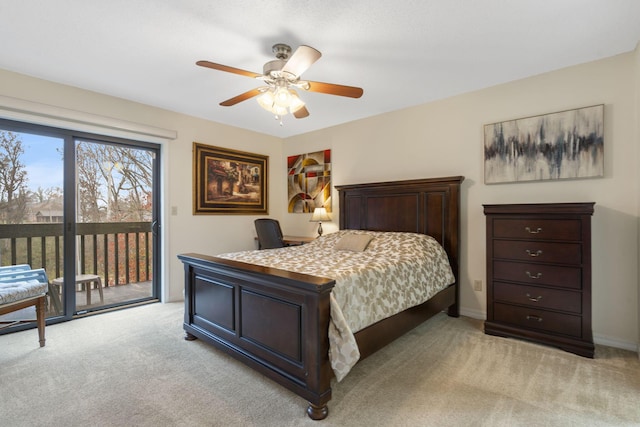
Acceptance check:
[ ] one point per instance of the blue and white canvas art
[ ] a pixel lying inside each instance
(563, 145)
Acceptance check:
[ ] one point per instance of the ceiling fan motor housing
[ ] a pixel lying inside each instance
(273, 68)
(281, 50)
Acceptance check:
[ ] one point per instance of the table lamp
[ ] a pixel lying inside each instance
(319, 215)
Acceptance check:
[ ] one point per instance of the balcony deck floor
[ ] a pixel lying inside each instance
(112, 295)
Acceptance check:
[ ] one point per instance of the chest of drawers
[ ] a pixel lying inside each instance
(539, 274)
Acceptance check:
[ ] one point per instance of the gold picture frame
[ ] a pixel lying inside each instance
(229, 181)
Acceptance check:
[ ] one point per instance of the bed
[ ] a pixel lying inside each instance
(277, 321)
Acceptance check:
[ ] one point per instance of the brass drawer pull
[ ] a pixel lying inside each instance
(536, 318)
(528, 230)
(534, 254)
(531, 276)
(536, 299)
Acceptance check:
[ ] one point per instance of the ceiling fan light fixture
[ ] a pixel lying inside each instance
(282, 97)
(280, 100)
(266, 100)
(279, 110)
(296, 102)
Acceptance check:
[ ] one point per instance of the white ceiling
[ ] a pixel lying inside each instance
(402, 52)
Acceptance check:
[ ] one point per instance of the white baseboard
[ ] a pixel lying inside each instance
(474, 314)
(615, 342)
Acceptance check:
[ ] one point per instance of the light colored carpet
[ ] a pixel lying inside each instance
(133, 368)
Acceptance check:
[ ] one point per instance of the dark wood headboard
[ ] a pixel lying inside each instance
(427, 206)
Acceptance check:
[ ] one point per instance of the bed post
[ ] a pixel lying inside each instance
(453, 240)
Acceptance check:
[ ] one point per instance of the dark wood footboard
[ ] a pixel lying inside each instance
(275, 321)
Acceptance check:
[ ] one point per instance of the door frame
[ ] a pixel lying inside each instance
(69, 138)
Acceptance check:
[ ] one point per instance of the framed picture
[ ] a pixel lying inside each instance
(228, 181)
(563, 145)
(309, 182)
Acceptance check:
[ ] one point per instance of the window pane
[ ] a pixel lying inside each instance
(31, 205)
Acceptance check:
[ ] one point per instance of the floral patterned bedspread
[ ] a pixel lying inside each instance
(395, 271)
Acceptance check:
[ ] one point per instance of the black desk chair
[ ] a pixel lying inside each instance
(269, 233)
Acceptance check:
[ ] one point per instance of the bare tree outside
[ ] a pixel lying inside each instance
(13, 179)
(114, 183)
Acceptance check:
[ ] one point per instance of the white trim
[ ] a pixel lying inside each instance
(49, 115)
(474, 314)
(615, 342)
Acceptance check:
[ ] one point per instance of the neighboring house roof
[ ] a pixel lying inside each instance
(49, 213)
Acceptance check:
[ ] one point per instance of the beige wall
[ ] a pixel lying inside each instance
(446, 138)
(437, 139)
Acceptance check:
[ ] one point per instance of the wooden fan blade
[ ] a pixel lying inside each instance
(301, 60)
(333, 89)
(228, 69)
(241, 97)
(301, 113)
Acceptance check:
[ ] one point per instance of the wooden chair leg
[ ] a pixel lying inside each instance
(40, 318)
(54, 298)
(99, 283)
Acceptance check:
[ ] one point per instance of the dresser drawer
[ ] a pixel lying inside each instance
(537, 229)
(538, 274)
(537, 297)
(561, 253)
(530, 318)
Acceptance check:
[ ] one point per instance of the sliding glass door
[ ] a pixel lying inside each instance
(114, 224)
(31, 204)
(84, 208)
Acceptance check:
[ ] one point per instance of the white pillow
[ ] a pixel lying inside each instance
(353, 242)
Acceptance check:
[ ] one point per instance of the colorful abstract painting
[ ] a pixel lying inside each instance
(309, 182)
(563, 145)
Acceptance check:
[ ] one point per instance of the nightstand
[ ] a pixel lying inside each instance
(297, 240)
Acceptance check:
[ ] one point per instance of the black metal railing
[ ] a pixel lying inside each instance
(120, 253)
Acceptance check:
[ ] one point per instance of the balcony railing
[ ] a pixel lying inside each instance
(120, 253)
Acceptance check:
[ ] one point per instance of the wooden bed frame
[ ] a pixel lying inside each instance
(277, 322)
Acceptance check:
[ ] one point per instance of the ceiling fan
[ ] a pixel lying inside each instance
(282, 78)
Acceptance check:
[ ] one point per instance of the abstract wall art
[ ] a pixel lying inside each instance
(309, 182)
(562, 145)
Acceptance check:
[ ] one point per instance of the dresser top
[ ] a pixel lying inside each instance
(541, 208)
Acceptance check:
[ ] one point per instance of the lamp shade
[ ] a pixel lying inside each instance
(266, 100)
(320, 214)
(280, 100)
